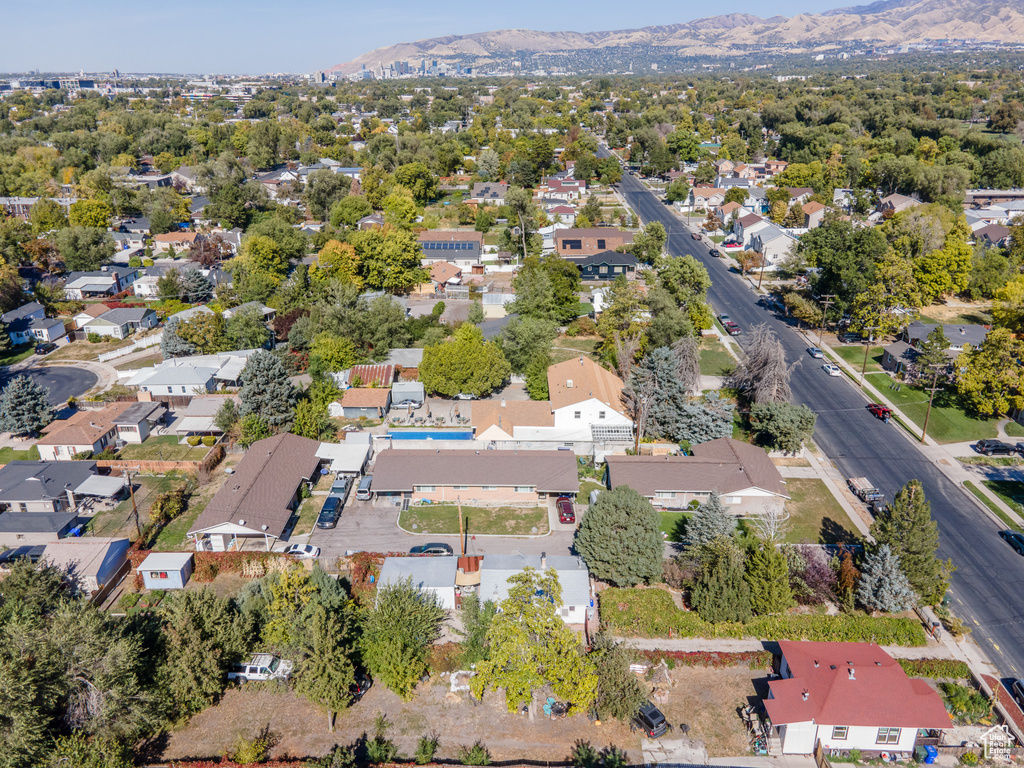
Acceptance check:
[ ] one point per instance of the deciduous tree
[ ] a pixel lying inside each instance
(465, 363)
(84, 248)
(991, 381)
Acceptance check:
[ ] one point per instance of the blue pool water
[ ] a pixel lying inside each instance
(430, 434)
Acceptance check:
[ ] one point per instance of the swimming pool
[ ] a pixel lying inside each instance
(430, 434)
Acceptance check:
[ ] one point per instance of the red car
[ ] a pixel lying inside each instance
(566, 515)
(880, 411)
(732, 329)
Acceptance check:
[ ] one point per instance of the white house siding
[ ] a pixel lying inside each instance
(590, 413)
(798, 738)
(865, 739)
(105, 329)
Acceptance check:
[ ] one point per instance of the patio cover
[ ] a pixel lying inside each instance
(99, 485)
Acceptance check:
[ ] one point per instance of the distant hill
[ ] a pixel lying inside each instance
(887, 23)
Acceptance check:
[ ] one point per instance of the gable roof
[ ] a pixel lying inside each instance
(36, 522)
(957, 335)
(86, 427)
(94, 310)
(724, 465)
(365, 397)
(580, 379)
(442, 271)
(813, 207)
(23, 312)
(729, 207)
(606, 233)
(573, 576)
(425, 572)
(610, 258)
(450, 236)
(509, 414)
(749, 220)
(176, 237)
(851, 684)
(123, 315)
(399, 470)
(42, 480)
(263, 485)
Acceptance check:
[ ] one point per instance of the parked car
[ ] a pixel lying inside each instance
(724, 318)
(732, 329)
(994, 448)
(303, 551)
(649, 720)
(816, 353)
(1015, 539)
(340, 487)
(261, 666)
(45, 348)
(831, 370)
(363, 491)
(330, 513)
(849, 338)
(1018, 691)
(464, 396)
(566, 514)
(362, 684)
(695, 235)
(434, 548)
(408, 404)
(1020, 448)
(880, 411)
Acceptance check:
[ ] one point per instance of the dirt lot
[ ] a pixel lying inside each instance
(302, 728)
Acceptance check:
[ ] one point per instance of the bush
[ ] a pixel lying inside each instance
(128, 600)
(147, 262)
(82, 456)
(426, 748)
(444, 657)
(713, 659)
(966, 705)
(257, 750)
(581, 326)
(206, 570)
(969, 758)
(380, 749)
(949, 669)
(209, 441)
(651, 613)
(192, 440)
(474, 755)
(94, 338)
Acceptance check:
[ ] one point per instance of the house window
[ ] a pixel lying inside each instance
(840, 732)
(460, 487)
(664, 494)
(488, 487)
(888, 736)
(425, 488)
(577, 414)
(158, 574)
(733, 500)
(601, 244)
(524, 488)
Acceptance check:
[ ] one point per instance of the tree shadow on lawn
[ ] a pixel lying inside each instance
(833, 533)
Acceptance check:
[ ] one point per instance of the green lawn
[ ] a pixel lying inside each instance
(172, 536)
(585, 308)
(16, 354)
(309, 511)
(992, 506)
(855, 357)
(165, 448)
(1014, 429)
(9, 454)
(568, 348)
(948, 423)
(815, 515)
(1010, 491)
(715, 359)
(586, 486)
(673, 524)
(499, 521)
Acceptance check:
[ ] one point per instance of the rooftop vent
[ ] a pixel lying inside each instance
(805, 695)
(851, 674)
(568, 383)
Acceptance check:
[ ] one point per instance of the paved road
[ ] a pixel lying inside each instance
(988, 588)
(64, 381)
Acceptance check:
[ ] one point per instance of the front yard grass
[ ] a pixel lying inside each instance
(164, 448)
(948, 422)
(309, 511)
(715, 359)
(815, 514)
(1010, 491)
(143, 362)
(855, 357)
(85, 350)
(443, 519)
(16, 354)
(1014, 429)
(992, 506)
(586, 486)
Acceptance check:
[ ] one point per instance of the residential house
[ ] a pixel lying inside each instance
(460, 247)
(573, 577)
(166, 570)
(896, 203)
(101, 283)
(775, 167)
(496, 420)
(726, 211)
(29, 323)
(489, 192)
(742, 474)
(361, 403)
(187, 376)
(22, 206)
(122, 322)
(89, 312)
(586, 242)
(606, 265)
(773, 244)
(992, 235)
(31, 529)
(179, 241)
(565, 214)
(442, 274)
(93, 564)
(899, 356)
(745, 227)
(45, 486)
(187, 177)
(199, 416)
(562, 189)
(487, 478)
(371, 375)
(408, 392)
(705, 198)
(373, 221)
(958, 336)
(138, 226)
(814, 214)
(145, 286)
(849, 696)
(799, 195)
(260, 496)
(97, 430)
(431, 575)
(725, 166)
(264, 311)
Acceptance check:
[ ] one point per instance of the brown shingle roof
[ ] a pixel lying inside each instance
(175, 237)
(813, 207)
(549, 471)
(263, 485)
(724, 465)
(508, 414)
(365, 397)
(94, 310)
(86, 427)
(442, 271)
(580, 379)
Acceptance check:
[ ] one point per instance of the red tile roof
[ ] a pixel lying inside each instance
(853, 684)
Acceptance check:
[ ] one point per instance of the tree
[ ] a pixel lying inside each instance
(324, 188)
(195, 287)
(464, 364)
(677, 191)
(171, 343)
(262, 254)
(266, 391)
(389, 258)
(346, 212)
(524, 338)
(883, 585)
(619, 693)
(722, 592)
(252, 428)
(168, 285)
(709, 524)
(337, 261)
(1008, 307)
(290, 241)
(204, 333)
(90, 213)
(476, 313)
(227, 416)
(736, 195)
(907, 528)
(768, 577)
(419, 180)
(535, 294)
(782, 426)
(47, 216)
(763, 373)
(326, 674)
(397, 631)
(24, 409)
(620, 539)
(537, 377)
(531, 647)
(991, 381)
(330, 353)
(84, 248)
(209, 252)
(649, 243)
(883, 305)
(945, 270)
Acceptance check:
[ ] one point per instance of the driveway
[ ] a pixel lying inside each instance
(64, 381)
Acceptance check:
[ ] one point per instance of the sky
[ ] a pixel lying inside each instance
(259, 36)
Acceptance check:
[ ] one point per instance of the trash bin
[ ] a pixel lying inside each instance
(920, 754)
(931, 753)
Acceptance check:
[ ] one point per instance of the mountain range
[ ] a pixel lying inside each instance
(886, 23)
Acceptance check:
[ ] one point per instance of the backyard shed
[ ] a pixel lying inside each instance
(432, 575)
(166, 570)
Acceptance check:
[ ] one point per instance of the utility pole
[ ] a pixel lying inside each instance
(462, 538)
(828, 300)
(135, 509)
(867, 346)
(760, 274)
(931, 396)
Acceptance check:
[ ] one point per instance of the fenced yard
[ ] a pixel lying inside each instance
(163, 448)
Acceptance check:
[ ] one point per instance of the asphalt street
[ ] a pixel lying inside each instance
(988, 588)
(64, 381)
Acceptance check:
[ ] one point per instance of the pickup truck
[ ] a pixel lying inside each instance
(867, 493)
(261, 666)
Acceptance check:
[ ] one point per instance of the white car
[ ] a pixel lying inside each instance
(815, 352)
(831, 370)
(261, 666)
(303, 551)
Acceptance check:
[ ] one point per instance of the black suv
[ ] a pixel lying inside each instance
(994, 448)
(649, 720)
(330, 513)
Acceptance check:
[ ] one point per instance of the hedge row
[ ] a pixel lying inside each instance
(715, 659)
(651, 613)
(949, 669)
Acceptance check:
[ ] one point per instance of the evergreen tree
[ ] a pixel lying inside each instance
(722, 593)
(883, 586)
(23, 407)
(768, 577)
(706, 419)
(620, 539)
(326, 674)
(537, 377)
(266, 391)
(709, 524)
(782, 426)
(908, 529)
(171, 343)
(5, 339)
(195, 287)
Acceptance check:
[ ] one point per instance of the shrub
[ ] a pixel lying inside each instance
(380, 749)
(94, 338)
(256, 750)
(192, 440)
(969, 758)
(209, 441)
(147, 262)
(476, 754)
(582, 326)
(82, 456)
(128, 600)
(206, 570)
(942, 668)
(426, 748)
(168, 506)
(444, 657)
(966, 705)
